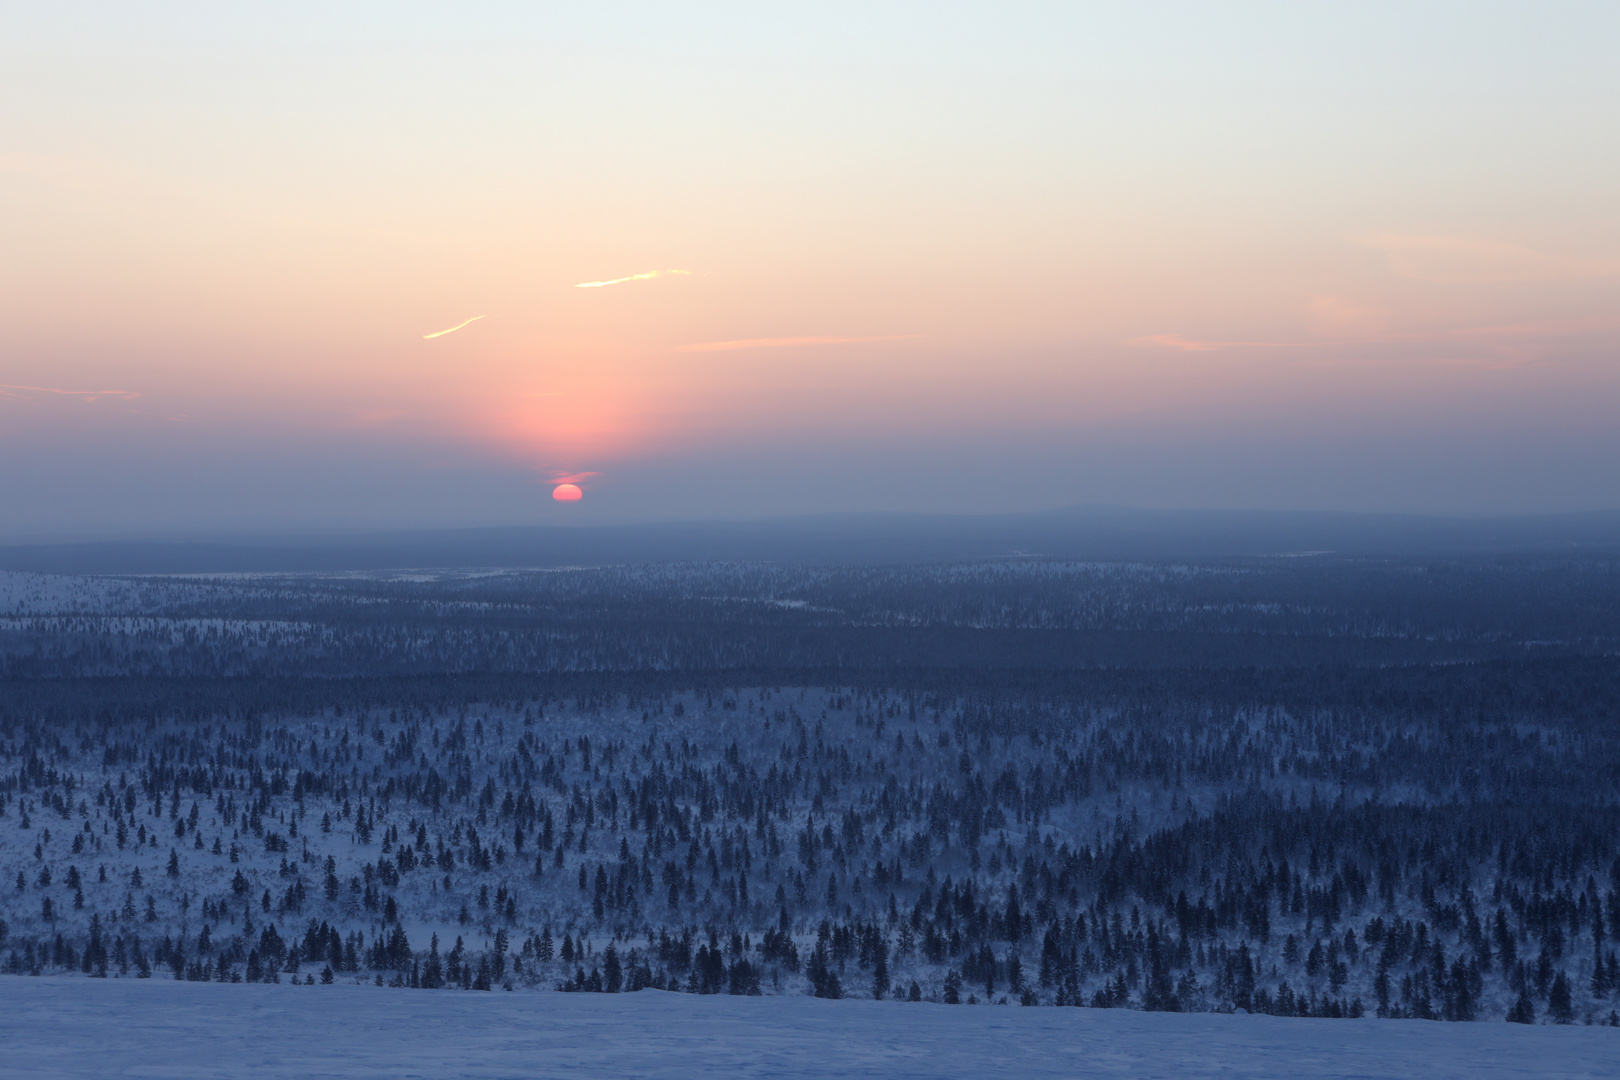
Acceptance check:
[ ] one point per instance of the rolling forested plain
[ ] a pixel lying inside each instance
(1316, 786)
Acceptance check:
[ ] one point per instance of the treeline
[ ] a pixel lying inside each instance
(1011, 616)
(1198, 788)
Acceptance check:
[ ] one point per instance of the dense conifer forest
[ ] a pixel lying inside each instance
(1307, 786)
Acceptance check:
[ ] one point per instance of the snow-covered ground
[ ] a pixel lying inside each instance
(69, 1027)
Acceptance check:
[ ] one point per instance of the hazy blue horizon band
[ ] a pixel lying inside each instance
(1110, 534)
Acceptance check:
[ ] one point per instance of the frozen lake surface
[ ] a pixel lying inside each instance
(70, 1027)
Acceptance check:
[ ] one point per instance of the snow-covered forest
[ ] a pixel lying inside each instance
(1298, 787)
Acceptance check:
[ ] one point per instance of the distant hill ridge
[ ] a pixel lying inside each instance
(1086, 532)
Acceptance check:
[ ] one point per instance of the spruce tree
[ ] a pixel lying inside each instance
(880, 971)
(1559, 1005)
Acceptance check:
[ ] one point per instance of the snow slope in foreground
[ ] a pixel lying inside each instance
(72, 1028)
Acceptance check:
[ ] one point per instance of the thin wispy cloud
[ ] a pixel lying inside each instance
(1341, 316)
(1183, 344)
(785, 342)
(633, 277)
(88, 395)
(1495, 347)
(377, 417)
(556, 476)
(1457, 260)
(453, 329)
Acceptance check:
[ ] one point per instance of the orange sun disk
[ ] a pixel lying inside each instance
(567, 493)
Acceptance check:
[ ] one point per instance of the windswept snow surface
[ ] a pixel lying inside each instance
(68, 1028)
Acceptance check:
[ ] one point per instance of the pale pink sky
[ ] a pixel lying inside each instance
(838, 258)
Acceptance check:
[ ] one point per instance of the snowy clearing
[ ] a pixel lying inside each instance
(70, 1027)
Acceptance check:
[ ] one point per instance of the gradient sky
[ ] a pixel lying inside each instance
(909, 256)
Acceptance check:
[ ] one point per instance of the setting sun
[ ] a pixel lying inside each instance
(567, 493)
